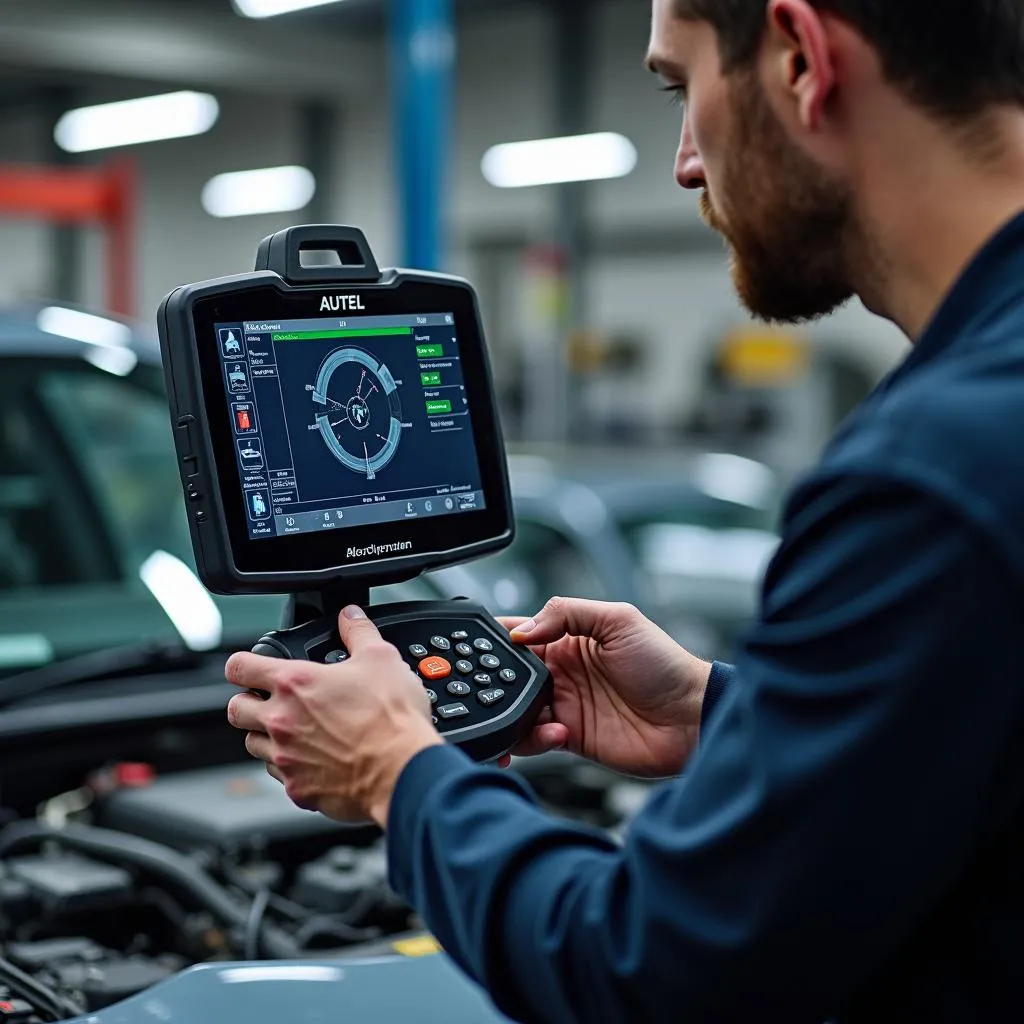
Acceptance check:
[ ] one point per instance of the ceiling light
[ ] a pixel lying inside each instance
(554, 161)
(270, 8)
(185, 600)
(174, 115)
(271, 190)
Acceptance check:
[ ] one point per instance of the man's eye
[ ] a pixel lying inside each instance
(676, 93)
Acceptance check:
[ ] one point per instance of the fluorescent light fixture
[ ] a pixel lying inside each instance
(271, 8)
(174, 115)
(269, 190)
(554, 161)
(185, 600)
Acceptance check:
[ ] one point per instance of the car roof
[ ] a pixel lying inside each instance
(22, 331)
(629, 481)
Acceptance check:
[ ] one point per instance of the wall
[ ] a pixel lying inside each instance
(505, 91)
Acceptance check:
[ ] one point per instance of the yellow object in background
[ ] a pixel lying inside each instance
(419, 945)
(763, 358)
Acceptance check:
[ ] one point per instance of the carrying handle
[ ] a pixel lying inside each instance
(282, 253)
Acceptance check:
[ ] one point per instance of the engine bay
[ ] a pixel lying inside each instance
(144, 869)
(133, 877)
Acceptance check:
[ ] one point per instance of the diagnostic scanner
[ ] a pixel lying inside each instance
(337, 430)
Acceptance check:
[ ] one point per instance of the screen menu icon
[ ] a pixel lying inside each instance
(232, 345)
(244, 416)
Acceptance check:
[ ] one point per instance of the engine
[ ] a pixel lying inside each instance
(132, 878)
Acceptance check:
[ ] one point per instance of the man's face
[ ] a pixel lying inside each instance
(788, 223)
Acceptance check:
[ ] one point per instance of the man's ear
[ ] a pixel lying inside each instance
(800, 59)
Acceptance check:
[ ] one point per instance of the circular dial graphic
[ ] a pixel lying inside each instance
(357, 409)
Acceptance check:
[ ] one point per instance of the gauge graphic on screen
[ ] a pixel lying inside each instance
(357, 410)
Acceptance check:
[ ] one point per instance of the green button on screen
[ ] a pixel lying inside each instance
(436, 408)
(429, 351)
(430, 380)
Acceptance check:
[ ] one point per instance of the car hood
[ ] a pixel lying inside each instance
(56, 623)
(386, 990)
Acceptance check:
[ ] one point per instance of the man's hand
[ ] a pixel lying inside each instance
(336, 736)
(625, 693)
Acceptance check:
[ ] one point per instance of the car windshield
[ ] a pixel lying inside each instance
(121, 437)
(94, 541)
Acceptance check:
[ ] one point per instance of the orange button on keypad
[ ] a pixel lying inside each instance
(435, 668)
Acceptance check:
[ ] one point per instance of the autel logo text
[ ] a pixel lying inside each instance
(341, 303)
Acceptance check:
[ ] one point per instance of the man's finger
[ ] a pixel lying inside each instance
(356, 629)
(570, 616)
(260, 745)
(542, 740)
(245, 712)
(510, 622)
(274, 772)
(252, 671)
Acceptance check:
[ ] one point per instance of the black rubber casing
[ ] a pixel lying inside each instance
(317, 569)
(229, 562)
(484, 732)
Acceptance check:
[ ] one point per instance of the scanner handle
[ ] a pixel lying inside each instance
(282, 253)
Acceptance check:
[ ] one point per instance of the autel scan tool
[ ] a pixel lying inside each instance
(336, 430)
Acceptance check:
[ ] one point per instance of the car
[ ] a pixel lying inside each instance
(147, 864)
(684, 536)
(94, 543)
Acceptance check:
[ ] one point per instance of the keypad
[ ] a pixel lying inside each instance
(464, 673)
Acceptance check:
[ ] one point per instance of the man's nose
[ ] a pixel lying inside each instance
(689, 166)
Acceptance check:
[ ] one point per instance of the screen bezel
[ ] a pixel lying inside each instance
(435, 541)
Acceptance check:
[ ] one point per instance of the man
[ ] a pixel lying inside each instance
(848, 841)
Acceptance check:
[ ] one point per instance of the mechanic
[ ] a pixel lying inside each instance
(847, 842)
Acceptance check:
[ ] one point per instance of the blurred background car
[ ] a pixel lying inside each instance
(94, 542)
(684, 537)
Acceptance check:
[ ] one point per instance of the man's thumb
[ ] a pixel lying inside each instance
(563, 616)
(356, 629)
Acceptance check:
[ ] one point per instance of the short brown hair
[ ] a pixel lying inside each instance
(952, 57)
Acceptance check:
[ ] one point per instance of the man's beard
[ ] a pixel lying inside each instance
(790, 226)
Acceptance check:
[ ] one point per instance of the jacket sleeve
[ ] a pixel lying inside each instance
(841, 785)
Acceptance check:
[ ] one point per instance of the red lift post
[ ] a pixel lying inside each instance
(105, 196)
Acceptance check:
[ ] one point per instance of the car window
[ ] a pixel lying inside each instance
(540, 563)
(51, 533)
(121, 436)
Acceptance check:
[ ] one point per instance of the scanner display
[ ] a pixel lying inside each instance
(348, 422)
